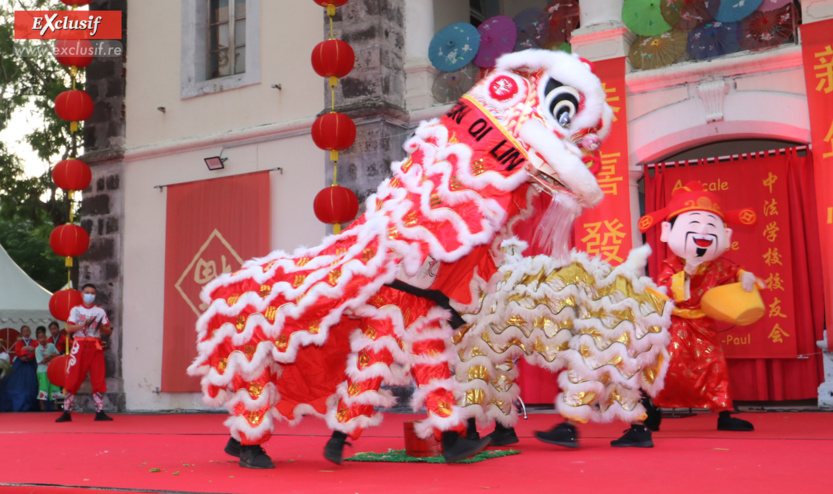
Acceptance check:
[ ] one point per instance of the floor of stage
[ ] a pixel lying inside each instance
(183, 453)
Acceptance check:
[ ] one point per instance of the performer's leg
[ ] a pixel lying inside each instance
(251, 423)
(99, 384)
(76, 373)
(374, 349)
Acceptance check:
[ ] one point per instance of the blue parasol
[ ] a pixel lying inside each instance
(714, 39)
(454, 47)
(735, 10)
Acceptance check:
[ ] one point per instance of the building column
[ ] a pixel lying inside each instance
(602, 34)
(419, 73)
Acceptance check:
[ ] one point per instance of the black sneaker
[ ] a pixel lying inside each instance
(471, 430)
(456, 447)
(65, 417)
(503, 436)
(638, 436)
(232, 447)
(335, 447)
(563, 434)
(726, 422)
(254, 457)
(102, 417)
(654, 416)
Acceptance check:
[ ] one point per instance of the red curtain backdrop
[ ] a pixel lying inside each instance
(761, 379)
(817, 54)
(212, 227)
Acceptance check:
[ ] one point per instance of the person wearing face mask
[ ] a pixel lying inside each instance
(694, 227)
(86, 324)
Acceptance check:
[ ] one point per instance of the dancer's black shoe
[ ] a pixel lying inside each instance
(654, 416)
(638, 436)
(503, 436)
(254, 457)
(563, 434)
(335, 447)
(65, 417)
(456, 447)
(471, 430)
(102, 417)
(725, 422)
(232, 447)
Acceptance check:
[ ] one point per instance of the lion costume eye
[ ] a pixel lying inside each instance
(562, 102)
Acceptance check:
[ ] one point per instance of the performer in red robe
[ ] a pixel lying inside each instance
(694, 229)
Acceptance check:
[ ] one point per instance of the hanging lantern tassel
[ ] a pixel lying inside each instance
(68, 262)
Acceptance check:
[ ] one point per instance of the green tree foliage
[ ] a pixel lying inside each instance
(30, 207)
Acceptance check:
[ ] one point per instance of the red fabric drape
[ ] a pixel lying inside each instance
(774, 379)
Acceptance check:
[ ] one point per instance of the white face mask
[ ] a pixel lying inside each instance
(89, 298)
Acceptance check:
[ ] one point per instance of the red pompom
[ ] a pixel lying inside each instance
(336, 204)
(69, 240)
(72, 175)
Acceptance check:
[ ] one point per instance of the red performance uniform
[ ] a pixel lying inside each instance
(60, 342)
(86, 354)
(698, 376)
(19, 351)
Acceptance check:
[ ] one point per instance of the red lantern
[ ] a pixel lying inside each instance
(331, 5)
(58, 370)
(333, 58)
(76, 53)
(72, 175)
(336, 204)
(76, 3)
(333, 132)
(62, 301)
(74, 106)
(69, 240)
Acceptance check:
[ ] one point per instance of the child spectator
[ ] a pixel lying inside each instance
(44, 353)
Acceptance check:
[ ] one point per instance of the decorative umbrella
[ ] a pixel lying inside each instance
(563, 18)
(533, 27)
(454, 47)
(768, 5)
(713, 40)
(689, 14)
(450, 86)
(652, 52)
(765, 29)
(497, 36)
(644, 17)
(735, 10)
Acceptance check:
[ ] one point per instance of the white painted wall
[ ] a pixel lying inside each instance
(260, 127)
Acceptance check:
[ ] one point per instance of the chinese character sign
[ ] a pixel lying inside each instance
(817, 54)
(764, 248)
(212, 226)
(606, 229)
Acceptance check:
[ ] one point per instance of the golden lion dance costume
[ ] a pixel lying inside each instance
(268, 344)
(606, 327)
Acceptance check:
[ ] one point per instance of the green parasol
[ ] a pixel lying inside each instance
(644, 17)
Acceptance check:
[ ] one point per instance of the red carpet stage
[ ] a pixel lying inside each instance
(183, 453)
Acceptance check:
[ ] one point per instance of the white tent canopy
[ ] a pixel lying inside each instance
(22, 300)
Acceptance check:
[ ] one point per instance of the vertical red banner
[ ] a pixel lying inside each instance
(817, 52)
(763, 249)
(212, 227)
(606, 229)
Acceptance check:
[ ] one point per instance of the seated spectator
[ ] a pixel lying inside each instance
(44, 353)
(20, 389)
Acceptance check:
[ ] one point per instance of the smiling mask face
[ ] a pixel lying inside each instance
(697, 236)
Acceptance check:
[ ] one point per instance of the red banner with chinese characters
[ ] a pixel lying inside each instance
(212, 227)
(606, 229)
(817, 51)
(764, 248)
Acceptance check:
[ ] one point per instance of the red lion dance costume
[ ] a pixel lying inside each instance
(270, 341)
